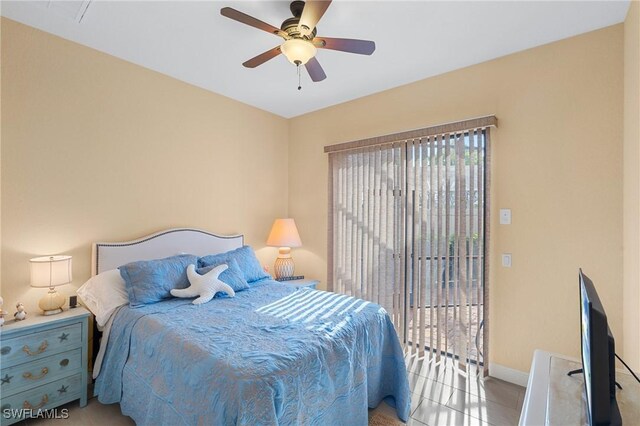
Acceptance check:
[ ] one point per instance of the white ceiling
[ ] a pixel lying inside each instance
(192, 42)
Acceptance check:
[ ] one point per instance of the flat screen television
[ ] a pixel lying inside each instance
(598, 358)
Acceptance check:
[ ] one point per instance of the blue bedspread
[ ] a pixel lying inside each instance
(269, 356)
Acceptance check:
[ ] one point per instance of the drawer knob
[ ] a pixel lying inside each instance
(27, 405)
(30, 376)
(43, 347)
(64, 362)
(5, 350)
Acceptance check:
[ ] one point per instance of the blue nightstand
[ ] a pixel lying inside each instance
(43, 362)
(302, 283)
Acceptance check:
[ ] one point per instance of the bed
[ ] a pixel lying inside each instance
(270, 355)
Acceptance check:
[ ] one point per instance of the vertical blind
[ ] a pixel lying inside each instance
(408, 231)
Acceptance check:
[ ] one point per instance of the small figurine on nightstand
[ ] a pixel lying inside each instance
(1, 312)
(21, 314)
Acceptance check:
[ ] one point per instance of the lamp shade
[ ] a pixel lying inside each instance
(284, 234)
(298, 50)
(50, 271)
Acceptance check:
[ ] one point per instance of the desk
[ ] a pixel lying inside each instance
(553, 398)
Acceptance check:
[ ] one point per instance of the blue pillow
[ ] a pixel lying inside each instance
(150, 281)
(232, 275)
(247, 261)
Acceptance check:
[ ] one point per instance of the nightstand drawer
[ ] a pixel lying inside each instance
(43, 397)
(40, 345)
(302, 283)
(42, 371)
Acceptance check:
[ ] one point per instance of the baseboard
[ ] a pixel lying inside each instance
(508, 374)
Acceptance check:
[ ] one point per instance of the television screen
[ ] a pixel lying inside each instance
(586, 352)
(598, 358)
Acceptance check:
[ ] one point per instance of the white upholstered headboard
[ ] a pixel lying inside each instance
(107, 256)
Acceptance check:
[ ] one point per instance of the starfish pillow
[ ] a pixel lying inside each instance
(206, 286)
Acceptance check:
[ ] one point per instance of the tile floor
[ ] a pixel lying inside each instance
(440, 396)
(443, 396)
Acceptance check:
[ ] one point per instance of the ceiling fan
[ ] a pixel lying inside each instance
(299, 34)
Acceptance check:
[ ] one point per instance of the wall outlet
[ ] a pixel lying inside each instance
(506, 260)
(505, 216)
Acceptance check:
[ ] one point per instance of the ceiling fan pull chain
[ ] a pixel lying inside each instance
(298, 68)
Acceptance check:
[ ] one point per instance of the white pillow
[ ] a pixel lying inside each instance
(103, 294)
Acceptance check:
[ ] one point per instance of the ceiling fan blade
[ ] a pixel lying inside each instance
(315, 70)
(236, 15)
(361, 47)
(311, 14)
(262, 58)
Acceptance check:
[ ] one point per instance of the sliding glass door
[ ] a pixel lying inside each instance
(409, 232)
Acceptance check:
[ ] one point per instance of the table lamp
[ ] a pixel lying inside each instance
(284, 235)
(51, 271)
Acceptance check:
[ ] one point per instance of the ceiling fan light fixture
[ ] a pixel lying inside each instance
(298, 51)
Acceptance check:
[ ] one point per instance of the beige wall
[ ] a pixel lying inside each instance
(557, 163)
(631, 210)
(95, 148)
(5, 307)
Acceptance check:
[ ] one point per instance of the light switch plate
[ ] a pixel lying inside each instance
(505, 216)
(506, 260)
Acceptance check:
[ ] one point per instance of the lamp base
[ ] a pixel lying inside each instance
(284, 265)
(51, 303)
